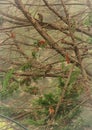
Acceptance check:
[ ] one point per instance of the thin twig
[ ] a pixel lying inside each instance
(64, 90)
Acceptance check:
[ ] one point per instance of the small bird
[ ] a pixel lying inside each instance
(40, 17)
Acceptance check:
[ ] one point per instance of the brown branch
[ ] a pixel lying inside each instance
(25, 22)
(33, 75)
(84, 31)
(13, 17)
(57, 4)
(74, 42)
(42, 32)
(19, 49)
(57, 14)
(63, 92)
(15, 22)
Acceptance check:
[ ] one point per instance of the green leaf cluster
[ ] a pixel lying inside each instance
(8, 85)
(26, 66)
(7, 78)
(47, 100)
